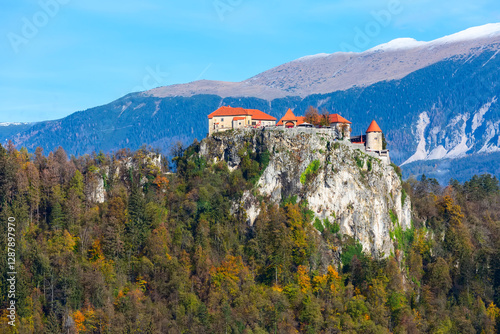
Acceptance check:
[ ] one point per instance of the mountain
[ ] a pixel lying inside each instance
(9, 129)
(326, 73)
(437, 103)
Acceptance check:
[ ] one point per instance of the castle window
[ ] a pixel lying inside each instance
(222, 119)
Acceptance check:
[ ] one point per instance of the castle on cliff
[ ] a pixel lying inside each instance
(228, 118)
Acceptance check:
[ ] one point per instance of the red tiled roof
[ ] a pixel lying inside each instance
(260, 115)
(336, 118)
(373, 127)
(238, 118)
(229, 111)
(290, 116)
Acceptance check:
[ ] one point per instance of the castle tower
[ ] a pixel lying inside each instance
(374, 137)
(289, 120)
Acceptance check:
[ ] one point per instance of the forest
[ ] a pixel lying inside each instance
(167, 252)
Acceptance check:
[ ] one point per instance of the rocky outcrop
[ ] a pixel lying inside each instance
(339, 182)
(98, 192)
(96, 188)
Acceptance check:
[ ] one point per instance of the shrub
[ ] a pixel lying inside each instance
(311, 170)
(318, 225)
(403, 196)
(253, 165)
(394, 218)
(397, 169)
(290, 200)
(353, 248)
(334, 228)
(359, 162)
(326, 225)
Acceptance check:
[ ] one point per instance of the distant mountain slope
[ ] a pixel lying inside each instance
(8, 130)
(460, 169)
(125, 123)
(326, 73)
(446, 110)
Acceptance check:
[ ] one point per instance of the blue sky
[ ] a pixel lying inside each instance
(62, 56)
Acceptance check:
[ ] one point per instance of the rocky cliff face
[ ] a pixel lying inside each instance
(119, 169)
(339, 182)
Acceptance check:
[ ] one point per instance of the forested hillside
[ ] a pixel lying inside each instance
(170, 253)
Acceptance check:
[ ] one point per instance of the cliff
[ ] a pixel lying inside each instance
(120, 169)
(360, 193)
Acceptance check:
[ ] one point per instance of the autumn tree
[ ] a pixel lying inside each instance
(312, 115)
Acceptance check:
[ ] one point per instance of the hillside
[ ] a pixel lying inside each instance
(439, 104)
(175, 253)
(8, 130)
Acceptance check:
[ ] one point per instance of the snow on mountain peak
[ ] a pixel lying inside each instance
(12, 123)
(484, 31)
(319, 55)
(398, 44)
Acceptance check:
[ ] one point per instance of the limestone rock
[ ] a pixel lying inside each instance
(355, 190)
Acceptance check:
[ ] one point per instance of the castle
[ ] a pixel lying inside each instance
(228, 118)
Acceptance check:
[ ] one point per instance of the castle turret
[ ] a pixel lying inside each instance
(374, 137)
(289, 120)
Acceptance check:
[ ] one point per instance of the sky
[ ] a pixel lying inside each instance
(62, 56)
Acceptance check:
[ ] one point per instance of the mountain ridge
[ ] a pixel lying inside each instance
(326, 73)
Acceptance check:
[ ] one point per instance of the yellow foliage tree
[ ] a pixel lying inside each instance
(227, 275)
(79, 320)
(303, 279)
(319, 283)
(452, 211)
(95, 252)
(334, 279)
(420, 243)
(493, 312)
(61, 242)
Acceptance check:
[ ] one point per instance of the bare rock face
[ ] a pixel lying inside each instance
(96, 188)
(348, 187)
(98, 191)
